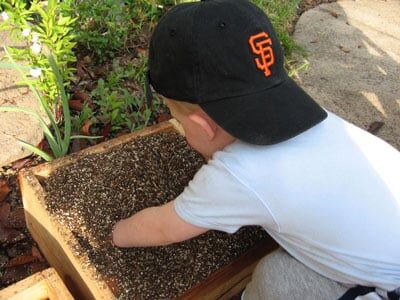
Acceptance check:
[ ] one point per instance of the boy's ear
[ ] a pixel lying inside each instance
(205, 123)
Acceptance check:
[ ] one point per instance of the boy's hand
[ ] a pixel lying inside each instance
(154, 226)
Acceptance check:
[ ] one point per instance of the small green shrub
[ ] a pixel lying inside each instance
(86, 114)
(120, 105)
(46, 27)
(108, 28)
(102, 27)
(282, 13)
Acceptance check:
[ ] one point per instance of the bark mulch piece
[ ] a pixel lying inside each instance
(23, 248)
(10, 236)
(4, 190)
(89, 196)
(16, 219)
(19, 256)
(19, 272)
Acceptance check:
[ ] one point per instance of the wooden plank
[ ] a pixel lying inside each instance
(45, 169)
(236, 289)
(53, 238)
(42, 285)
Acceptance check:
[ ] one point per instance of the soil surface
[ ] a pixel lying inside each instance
(89, 196)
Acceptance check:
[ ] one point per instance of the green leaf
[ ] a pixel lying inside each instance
(64, 99)
(43, 104)
(42, 13)
(40, 30)
(42, 123)
(51, 6)
(12, 66)
(89, 137)
(35, 150)
(63, 20)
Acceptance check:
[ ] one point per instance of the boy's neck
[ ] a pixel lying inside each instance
(223, 139)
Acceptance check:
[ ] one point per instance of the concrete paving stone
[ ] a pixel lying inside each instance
(354, 61)
(15, 125)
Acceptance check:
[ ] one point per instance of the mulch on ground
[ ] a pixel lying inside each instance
(20, 256)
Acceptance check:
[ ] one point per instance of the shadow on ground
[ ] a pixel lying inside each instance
(354, 60)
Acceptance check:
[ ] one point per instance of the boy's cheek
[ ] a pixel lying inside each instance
(200, 146)
(191, 141)
(196, 140)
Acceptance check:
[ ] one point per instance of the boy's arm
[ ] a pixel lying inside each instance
(154, 226)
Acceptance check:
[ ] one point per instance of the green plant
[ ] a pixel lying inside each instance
(294, 66)
(120, 98)
(108, 27)
(120, 108)
(87, 114)
(102, 27)
(47, 26)
(60, 137)
(13, 12)
(282, 13)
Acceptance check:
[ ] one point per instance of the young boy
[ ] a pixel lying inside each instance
(326, 191)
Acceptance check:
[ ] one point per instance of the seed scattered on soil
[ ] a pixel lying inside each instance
(90, 196)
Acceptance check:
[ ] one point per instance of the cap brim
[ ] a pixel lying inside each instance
(267, 117)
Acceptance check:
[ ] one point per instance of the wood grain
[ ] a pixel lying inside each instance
(40, 286)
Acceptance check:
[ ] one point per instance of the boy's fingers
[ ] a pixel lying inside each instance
(117, 236)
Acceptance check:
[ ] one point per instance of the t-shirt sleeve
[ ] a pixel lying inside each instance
(216, 199)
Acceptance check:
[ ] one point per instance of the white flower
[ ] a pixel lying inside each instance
(35, 72)
(36, 48)
(26, 32)
(35, 37)
(5, 16)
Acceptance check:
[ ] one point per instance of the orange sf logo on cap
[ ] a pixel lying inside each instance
(260, 44)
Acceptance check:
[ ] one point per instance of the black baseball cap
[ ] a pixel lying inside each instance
(224, 55)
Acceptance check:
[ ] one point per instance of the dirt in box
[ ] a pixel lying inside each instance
(91, 195)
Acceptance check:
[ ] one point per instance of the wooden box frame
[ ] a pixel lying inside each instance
(46, 284)
(52, 238)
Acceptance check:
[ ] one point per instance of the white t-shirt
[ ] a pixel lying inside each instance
(329, 196)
